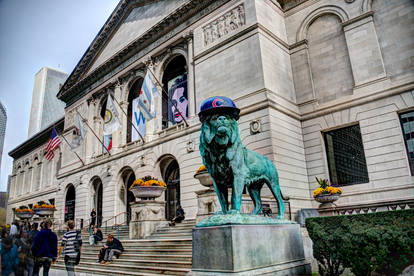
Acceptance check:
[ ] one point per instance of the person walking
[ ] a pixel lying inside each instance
(14, 229)
(44, 249)
(26, 262)
(9, 257)
(72, 243)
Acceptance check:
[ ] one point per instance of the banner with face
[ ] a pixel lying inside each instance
(177, 92)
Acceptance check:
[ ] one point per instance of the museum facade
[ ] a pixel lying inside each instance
(325, 88)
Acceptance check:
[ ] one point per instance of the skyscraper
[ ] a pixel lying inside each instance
(3, 121)
(46, 108)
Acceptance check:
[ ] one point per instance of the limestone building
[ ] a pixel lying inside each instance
(46, 108)
(325, 89)
(3, 122)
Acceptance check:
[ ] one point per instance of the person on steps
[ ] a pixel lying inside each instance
(179, 216)
(113, 247)
(97, 235)
(72, 243)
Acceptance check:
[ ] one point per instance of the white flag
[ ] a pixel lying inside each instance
(138, 120)
(78, 133)
(146, 97)
(111, 119)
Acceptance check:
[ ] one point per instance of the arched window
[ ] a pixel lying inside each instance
(134, 114)
(174, 82)
(47, 174)
(70, 201)
(394, 21)
(329, 59)
(37, 174)
(27, 177)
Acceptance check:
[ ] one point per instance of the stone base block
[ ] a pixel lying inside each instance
(146, 217)
(249, 250)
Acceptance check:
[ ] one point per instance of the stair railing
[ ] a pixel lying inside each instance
(113, 223)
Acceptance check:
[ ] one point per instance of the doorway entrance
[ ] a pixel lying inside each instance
(98, 199)
(70, 203)
(171, 177)
(128, 177)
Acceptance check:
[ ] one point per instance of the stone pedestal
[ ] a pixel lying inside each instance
(249, 250)
(208, 204)
(146, 217)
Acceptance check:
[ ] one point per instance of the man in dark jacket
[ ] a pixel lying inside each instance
(44, 249)
(97, 235)
(112, 247)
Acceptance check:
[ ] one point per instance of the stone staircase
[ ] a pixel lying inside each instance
(167, 251)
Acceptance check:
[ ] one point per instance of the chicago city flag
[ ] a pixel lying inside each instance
(146, 102)
(138, 121)
(111, 119)
(78, 133)
(53, 143)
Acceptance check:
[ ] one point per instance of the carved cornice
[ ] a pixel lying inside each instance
(75, 86)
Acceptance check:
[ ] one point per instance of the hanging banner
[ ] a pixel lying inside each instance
(146, 99)
(138, 120)
(107, 141)
(111, 119)
(177, 92)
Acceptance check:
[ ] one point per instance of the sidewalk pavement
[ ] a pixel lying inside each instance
(58, 272)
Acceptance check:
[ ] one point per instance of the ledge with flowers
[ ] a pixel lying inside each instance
(326, 193)
(23, 212)
(147, 187)
(44, 209)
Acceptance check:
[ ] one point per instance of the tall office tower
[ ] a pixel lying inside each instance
(3, 121)
(46, 108)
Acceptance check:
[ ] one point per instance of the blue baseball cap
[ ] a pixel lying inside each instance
(218, 105)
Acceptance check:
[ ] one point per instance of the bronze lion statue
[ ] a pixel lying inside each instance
(229, 161)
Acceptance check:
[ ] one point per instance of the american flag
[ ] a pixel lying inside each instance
(54, 142)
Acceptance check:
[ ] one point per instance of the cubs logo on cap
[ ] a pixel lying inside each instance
(218, 105)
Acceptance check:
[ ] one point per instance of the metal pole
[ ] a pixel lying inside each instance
(94, 133)
(129, 120)
(166, 93)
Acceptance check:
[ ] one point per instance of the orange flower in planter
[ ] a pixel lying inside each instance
(201, 169)
(148, 181)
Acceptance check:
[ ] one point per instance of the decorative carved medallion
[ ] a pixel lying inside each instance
(190, 146)
(255, 126)
(224, 24)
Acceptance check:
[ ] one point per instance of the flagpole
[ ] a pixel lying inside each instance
(94, 133)
(166, 93)
(70, 146)
(129, 120)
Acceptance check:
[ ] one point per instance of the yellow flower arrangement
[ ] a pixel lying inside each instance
(148, 181)
(325, 188)
(202, 168)
(24, 210)
(49, 206)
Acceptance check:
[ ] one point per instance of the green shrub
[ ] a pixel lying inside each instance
(382, 242)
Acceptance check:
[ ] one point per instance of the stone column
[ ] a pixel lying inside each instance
(190, 77)
(363, 48)
(117, 136)
(146, 217)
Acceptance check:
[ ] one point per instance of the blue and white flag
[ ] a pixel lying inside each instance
(148, 92)
(138, 121)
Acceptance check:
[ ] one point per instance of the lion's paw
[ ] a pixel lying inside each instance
(219, 213)
(233, 212)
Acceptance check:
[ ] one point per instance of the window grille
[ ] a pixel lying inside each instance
(346, 158)
(407, 125)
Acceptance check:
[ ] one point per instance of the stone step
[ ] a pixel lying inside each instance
(153, 251)
(103, 271)
(141, 262)
(129, 268)
(133, 255)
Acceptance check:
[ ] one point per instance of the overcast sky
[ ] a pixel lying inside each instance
(34, 34)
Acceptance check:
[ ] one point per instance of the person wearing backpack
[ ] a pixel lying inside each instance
(72, 243)
(44, 249)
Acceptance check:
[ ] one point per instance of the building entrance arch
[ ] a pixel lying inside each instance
(128, 177)
(98, 199)
(70, 201)
(170, 172)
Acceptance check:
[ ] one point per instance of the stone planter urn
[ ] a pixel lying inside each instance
(44, 211)
(147, 192)
(205, 179)
(24, 215)
(327, 198)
